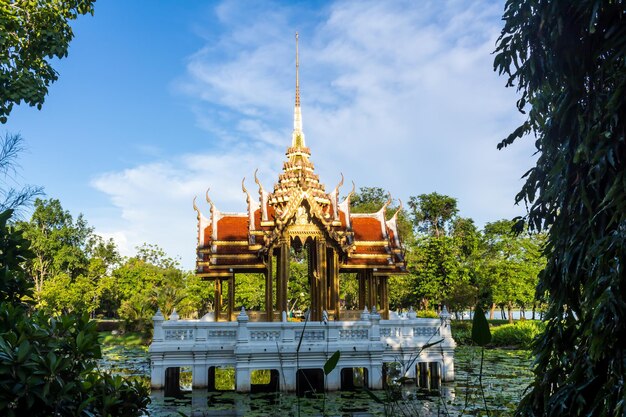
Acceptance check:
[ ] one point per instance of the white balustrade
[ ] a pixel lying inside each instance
(273, 345)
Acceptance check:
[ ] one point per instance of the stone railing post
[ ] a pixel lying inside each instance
(375, 325)
(444, 316)
(157, 321)
(243, 334)
(365, 315)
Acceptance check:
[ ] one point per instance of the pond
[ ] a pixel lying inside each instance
(506, 373)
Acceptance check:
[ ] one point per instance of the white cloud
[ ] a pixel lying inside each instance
(400, 95)
(155, 200)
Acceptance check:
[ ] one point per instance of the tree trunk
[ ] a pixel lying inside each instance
(534, 306)
(510, 308)
(492, 311)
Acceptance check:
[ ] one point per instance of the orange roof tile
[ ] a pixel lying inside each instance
(232, 228)
(366, 228)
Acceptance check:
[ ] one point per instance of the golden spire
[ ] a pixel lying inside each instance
(297, 78)
(298, 136)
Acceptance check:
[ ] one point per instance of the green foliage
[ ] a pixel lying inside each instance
(462, 332)
(152, 280)
(427, 314)
(368, 200)
(14, 251)
(48, 364)
(62, 294)
(57, 241)
(567, 61)
(520, 334)
(509, 265)
(331, 363)
(250, 291)
(503, 334)
(481, 335)
(32, 33)
(444, 265)
(432, 213)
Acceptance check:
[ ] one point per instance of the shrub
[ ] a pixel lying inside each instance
(462, 332)
(519, 334)
(427, 314)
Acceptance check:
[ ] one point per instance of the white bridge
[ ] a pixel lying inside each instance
(414, 347)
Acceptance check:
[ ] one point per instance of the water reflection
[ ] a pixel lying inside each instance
(505, 376)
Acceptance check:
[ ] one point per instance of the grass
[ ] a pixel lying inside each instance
(127, 339)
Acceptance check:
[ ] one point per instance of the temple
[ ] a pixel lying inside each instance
(300, 219)
(299, 215)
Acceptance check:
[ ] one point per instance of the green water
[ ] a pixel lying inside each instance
(506, 373)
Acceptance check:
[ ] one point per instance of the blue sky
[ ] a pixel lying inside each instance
(159, 100)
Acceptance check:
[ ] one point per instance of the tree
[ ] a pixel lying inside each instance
(31, 34)
(432, 213)
(442, 258)
(433, 263)
(59, 242)
(510, 263)
(567, 61)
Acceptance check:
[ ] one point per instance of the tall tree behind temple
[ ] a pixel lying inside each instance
(509, 265)
(441, 259)
(567, 61)
(59, 242)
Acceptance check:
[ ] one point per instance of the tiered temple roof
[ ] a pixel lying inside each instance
(298, 210)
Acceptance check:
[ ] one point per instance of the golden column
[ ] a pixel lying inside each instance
(283, 274)
(217, 299)
(269, 279)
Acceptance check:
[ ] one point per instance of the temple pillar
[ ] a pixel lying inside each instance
(279, 301)
(384, 296)
(283, 269)
(360, 276)
(371, 295)
(375, 291)
(231, 296)
(322, 290)
(313, 279)
(333, 276)
(269, 301)
(218, 299)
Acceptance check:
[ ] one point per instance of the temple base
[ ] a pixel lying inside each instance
(371, 351)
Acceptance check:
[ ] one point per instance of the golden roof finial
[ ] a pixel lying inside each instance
(297, 77)
(298, 136)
